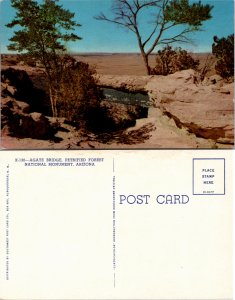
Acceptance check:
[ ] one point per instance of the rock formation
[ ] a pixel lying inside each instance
(184, 113)
(17, 117)
(203, 108)
(23, 114)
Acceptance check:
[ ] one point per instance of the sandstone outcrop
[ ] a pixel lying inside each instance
(203, 108)
(16, 83)
(17, 121)
(18, 118)
(184, 113)
(124, 83)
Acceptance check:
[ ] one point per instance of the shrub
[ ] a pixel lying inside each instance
(223, 49)
(78, 95)
(111, 117)
(206, 66)
(169, 61)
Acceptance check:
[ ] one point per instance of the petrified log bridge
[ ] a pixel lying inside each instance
(205, 109)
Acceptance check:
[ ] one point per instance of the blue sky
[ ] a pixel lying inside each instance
(99, 36)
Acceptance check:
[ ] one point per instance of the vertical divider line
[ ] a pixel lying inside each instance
(7, 222)
(114, 225)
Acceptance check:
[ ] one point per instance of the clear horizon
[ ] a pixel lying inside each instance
(105, 53)
(102, 37)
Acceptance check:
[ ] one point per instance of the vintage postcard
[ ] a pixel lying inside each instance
(117, 144)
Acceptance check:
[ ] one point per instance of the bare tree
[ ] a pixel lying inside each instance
(168, 14)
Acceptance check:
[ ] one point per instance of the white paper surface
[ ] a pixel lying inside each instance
(72, 232)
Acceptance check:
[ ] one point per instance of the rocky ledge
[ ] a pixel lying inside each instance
(205, 109)
(25, 122)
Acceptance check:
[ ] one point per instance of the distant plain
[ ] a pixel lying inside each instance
(119, 63)
(128, 63)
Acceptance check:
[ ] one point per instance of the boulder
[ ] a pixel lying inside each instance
(16, 83)
(19, 80)
(24, 107)
(17, 121)
(7, 89)
(10, 115)
(34, 125)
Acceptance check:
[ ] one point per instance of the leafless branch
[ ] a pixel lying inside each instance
(146, 3)
(156, 40)
(157, 23)
(102, 17)
(180, 39)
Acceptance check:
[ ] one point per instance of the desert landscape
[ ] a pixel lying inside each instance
(181, 113)
(129, 63)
